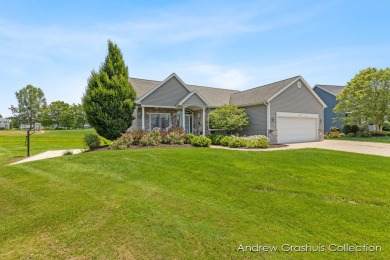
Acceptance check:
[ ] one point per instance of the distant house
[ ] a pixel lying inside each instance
(286, 111)
(328, 94)
(4, 123)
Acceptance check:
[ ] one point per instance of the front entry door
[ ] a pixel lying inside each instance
(188, 126)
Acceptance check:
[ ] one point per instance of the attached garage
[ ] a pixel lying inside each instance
(297, 127)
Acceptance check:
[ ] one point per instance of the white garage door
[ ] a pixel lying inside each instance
(294, 127)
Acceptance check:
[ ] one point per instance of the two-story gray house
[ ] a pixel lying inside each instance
(328, 94)
(286, 111)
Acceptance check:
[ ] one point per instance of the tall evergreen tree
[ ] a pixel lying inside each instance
(109, 99)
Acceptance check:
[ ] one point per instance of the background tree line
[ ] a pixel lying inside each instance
(32, 108)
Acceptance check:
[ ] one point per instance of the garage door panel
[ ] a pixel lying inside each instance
(296, 129)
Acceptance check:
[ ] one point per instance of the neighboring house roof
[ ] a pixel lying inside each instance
(262, 94)
(215, 97)
(332, 89)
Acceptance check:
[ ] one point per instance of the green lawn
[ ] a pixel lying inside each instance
(189, 203)
(375, 139)
(12, 142)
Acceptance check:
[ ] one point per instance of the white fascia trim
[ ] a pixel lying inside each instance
(316, 86)
(158, 106)
(306, 85)
(162, 83)
(301, 115)
(190, 95)
(252, 104)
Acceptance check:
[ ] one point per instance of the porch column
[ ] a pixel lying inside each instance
(143, 118)
(184, 118)
(204, 121)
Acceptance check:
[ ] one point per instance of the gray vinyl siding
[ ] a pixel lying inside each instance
(329, 115)
(195, 101)
(296, 100)
(257, 119)
(168, 94)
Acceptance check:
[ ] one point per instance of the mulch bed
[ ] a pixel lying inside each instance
(277, 145)
(106, 147)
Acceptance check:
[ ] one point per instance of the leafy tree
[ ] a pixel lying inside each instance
(78, 116)
(15, 122)
(109, 98)
(1, 116)
(228, 117)
(366, 98)
(57, 113)
(31, 103)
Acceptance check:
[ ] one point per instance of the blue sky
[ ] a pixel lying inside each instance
(54, 45)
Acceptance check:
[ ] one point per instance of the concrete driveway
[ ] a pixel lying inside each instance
(380, 149)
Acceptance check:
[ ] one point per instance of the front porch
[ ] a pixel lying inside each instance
(192, 119)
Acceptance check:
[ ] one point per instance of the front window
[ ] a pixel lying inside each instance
(159, 120)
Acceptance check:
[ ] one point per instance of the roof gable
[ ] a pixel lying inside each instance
(305, 85)
(173, 77)
(193, 98)
(260, 95)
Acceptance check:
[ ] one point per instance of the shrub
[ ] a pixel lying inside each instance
(363, 134)
(257, 142)
(334, 135)
(189, 138)
(165, 138)
(237, 142)
(152, 138)
(216, 138)
(351, 135)
(92, 141)
(378, 134)
(347, 128)
(341, 135)
(228, 117)
(137, 136)
(201, 141)
(176, 135)
(326, 136)
(334, 130)
(225, 140)
(123, 142)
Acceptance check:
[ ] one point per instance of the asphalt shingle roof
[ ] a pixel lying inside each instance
(214, 96)
(335, 90)
(260, 94)
(217, 96)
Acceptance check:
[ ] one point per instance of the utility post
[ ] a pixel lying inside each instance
(28, 143)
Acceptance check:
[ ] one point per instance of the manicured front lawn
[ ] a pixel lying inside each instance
(12, 142)
(194, 203)
(375, 139)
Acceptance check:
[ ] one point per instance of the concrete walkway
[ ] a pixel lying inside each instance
(380, 149)
(47, 155)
